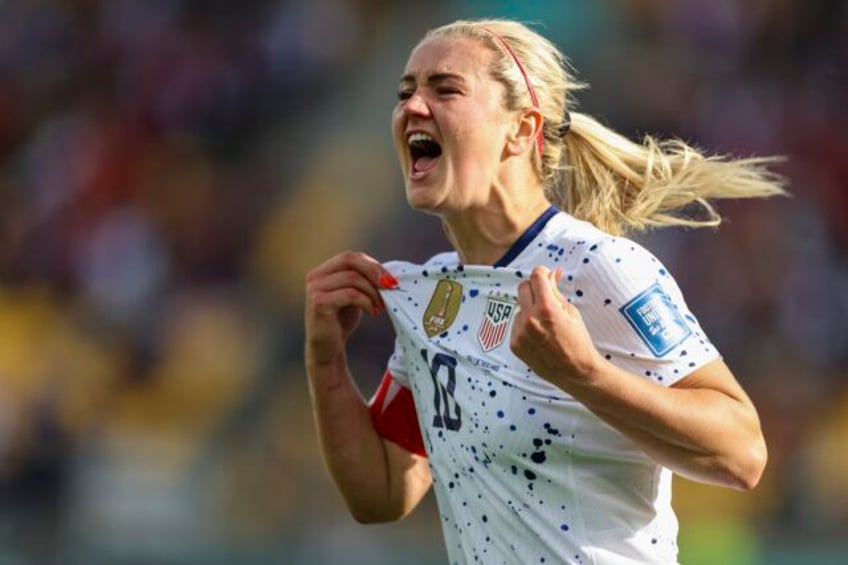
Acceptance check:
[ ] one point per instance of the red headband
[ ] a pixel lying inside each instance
(540, 137)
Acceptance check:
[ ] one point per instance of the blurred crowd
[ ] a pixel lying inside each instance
(170, 169)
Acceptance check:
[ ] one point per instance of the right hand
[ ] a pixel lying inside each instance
(337, 291)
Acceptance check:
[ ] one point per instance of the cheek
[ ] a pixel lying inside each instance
(478, 146)
(398, 138)
(479, 131)
(397, 124)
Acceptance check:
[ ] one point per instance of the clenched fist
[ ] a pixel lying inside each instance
(549, 334)
(337, 292)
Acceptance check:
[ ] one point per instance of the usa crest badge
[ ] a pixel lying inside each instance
(443, 307)
(495, 323)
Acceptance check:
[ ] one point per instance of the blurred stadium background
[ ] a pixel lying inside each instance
(169, 169)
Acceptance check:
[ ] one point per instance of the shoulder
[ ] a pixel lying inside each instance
(587, 252)
(619, 257)
(635, 311)
(573, 236)
(580, 248)
(615, 270)
(614, 273)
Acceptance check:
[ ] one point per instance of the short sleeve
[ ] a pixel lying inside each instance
(635, 312)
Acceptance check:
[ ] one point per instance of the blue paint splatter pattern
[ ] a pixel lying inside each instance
(523, 473)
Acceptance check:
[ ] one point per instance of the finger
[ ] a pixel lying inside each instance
(525, 296)
(544, 289)
(366, 265)
(556, 278)
(564, 301)
(335, 300)
(518, 323)
(344, 279)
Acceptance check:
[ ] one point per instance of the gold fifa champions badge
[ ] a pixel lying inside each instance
(443, 307)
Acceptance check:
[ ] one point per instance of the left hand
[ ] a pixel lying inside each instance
(549, 334)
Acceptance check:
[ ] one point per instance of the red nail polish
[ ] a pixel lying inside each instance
(388, 281)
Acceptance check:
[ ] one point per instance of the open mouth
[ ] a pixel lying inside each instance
(424, 151)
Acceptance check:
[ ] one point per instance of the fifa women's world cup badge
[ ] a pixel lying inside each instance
(495, 323)
(443, 307)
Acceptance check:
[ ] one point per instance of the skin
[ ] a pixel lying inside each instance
(484, 187)
(487, 193)
(704, 427)
(379, 480)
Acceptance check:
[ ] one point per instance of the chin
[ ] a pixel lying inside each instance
(425, 200)
(421, 203)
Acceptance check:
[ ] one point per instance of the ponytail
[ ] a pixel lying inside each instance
(595, 173)
(621, 186)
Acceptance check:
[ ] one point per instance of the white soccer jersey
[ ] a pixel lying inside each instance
(523, 473)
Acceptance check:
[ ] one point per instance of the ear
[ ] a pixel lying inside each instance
(528, 124)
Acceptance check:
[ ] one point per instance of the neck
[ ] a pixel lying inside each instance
(481, 236)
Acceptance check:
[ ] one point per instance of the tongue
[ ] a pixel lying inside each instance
(424, 164)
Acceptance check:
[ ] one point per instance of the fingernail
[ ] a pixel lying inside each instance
(388, 281)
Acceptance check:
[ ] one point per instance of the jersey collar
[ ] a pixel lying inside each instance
(528, 236)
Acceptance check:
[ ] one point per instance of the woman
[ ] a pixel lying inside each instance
(547, 376)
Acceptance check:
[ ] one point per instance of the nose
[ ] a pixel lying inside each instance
(417, 106)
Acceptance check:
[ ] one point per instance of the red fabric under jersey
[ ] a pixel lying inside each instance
(394, 417)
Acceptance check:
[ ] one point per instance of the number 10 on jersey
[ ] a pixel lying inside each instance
(447, 412)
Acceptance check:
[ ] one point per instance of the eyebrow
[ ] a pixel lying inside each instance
(434, 78)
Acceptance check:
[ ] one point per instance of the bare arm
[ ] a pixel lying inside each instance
(379, 480)
(704, 427)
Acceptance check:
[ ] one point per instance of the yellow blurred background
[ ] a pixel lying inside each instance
(170, 169)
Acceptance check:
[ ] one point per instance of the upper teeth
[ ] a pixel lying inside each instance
(416, 137)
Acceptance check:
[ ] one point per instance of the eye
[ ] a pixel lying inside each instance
(404, 94)
(447, 91)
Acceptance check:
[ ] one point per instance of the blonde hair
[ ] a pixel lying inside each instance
(595, 173)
